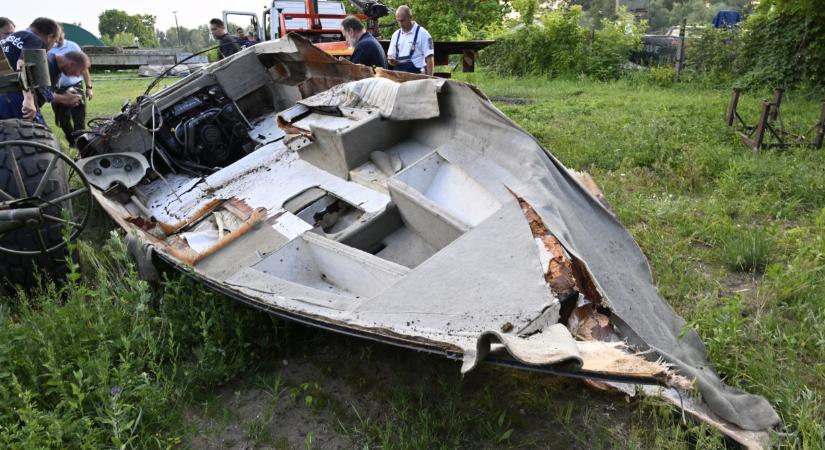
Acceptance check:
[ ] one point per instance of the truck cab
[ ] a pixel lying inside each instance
(319, 21)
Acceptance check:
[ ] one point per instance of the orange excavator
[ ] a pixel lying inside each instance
(320, 22)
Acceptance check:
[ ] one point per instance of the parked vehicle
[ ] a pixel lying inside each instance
(661, 48)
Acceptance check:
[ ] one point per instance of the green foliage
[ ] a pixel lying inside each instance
(192, 39)
(783, 49)
(612, 45)
(781, 44)
(526, 10)
(445, 18)
(665, 13)
(122, 39)
(554, 48)
(114, 21)
(560, 46)
(712, 53)
(661, 76)
(105, 360)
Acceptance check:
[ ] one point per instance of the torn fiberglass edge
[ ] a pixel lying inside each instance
(404, 209)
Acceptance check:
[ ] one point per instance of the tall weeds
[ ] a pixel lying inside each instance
(106, 359)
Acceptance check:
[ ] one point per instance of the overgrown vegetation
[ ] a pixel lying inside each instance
(778, 46)
(559, 46)
(781, 44)
(106, 360)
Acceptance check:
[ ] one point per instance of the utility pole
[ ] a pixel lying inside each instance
(177, 27)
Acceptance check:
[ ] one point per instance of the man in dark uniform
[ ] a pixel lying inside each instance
(41, 34)
(228, 43)
(367, 49)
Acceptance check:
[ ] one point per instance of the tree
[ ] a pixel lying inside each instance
(192, 39)
(526, 9)
(113, 22)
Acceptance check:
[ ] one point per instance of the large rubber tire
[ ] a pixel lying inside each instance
(17, 269)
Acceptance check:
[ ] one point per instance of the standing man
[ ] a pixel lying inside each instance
(71, 118)
(228, 43)
(240, 37)
(411, 46)
(367, 50)
(43, 33)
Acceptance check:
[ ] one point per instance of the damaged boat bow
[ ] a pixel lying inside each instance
(403, 209)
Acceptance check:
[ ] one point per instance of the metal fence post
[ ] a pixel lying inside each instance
(760, 127)
(820, 128)
(777, 102)
(734, 102)
(680, 51)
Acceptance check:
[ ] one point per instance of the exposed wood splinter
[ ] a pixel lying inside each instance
(559, 271)
(613, 358)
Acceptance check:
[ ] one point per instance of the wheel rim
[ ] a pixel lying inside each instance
(62, 204)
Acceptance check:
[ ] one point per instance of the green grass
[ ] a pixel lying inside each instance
(736, 242)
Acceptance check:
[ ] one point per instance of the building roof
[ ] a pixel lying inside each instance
(80, 35)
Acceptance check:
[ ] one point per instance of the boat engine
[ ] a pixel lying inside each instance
(206, 128)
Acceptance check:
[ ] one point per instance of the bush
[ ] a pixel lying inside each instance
(712, 54)
(612, 46)
(559, 46)
(553, 47)
(783, 49)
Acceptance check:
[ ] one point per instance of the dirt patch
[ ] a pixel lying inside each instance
(364, 393)
(748, 287)
(271, 409)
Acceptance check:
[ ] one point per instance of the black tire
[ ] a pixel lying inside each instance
(17, 269)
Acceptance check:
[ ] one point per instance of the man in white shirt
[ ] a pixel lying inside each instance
(411, 47)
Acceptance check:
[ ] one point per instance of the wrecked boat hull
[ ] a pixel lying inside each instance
(402, 209)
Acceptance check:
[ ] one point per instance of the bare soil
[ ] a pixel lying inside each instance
(358, 387)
